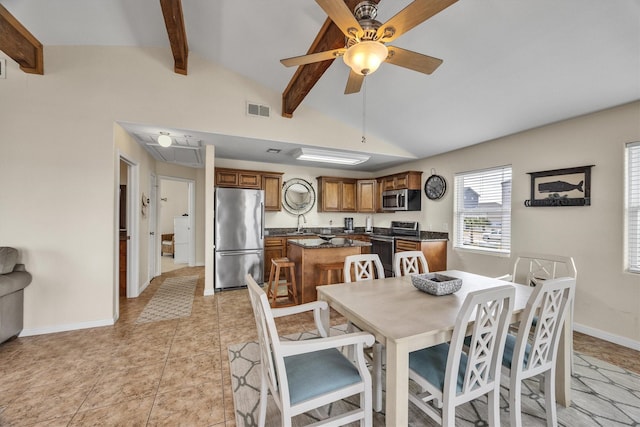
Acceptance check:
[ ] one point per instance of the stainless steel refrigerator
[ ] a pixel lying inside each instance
(239, 236)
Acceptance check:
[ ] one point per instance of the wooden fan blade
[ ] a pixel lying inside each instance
(311, 58)
(354, 83)
(340, 14)
(412, 60)
(416, 13)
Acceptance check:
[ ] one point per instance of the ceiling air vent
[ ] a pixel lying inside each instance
(258, 110)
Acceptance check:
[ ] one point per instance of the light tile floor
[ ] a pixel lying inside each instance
(173, 372)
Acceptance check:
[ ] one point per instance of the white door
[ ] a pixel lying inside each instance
(181, 235)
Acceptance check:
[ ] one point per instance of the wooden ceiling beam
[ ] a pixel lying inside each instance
(21, 46)
(306, 76)
(174, 21)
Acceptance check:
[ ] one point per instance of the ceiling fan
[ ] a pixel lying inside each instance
(365, 39)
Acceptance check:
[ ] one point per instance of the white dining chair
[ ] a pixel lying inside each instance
(304, 375)
(531, 268)
(368, 267)
(448, 376)
(363, 267)
(533, 351)
(409, 262)
(534, 268)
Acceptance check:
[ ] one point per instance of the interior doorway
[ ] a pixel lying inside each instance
(175, 223)
(126, 232)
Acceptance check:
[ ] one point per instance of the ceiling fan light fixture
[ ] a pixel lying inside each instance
(326, 156)
(365, 57)
(164, 139)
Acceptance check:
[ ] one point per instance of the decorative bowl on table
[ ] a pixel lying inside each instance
(436, 284)
(326, 237)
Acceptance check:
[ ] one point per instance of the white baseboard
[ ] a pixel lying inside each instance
(616, 339)
(67, 327)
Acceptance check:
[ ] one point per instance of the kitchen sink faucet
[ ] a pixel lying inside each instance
(300, 224)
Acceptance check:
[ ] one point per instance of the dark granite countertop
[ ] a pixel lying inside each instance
(336, 242)
(339, 232)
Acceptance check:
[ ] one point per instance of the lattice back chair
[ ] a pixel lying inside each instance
(368, 267)
(409, 262)
(304, 375)
(533, 351)
(447, 374)
(363, 267)
(534, 268)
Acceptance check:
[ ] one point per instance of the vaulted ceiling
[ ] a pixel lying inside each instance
(509, 65)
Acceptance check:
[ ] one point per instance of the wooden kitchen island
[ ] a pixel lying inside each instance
(307, 253)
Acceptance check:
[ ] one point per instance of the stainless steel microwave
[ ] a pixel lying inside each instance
(401, 200)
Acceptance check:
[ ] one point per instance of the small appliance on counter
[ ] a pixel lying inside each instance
(368, 226)
(348, 225)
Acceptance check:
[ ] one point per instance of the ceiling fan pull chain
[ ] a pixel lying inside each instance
(364, 106)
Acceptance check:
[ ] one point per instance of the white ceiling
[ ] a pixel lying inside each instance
(509, 65)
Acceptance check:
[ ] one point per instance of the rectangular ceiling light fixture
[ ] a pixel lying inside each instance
(326, 156)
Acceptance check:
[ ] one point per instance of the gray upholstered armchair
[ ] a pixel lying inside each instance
(13, 280)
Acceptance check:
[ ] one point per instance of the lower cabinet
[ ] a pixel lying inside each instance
(435, 251)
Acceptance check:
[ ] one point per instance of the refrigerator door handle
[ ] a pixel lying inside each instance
(236, 253)
(262, 228)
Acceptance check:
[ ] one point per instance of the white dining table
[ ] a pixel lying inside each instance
(405, 319)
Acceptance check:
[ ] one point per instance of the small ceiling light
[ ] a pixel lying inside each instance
(326, 156)
(365, 57)
(164, 139)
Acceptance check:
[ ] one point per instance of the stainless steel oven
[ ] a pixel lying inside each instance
(385, 244)
(385, 247)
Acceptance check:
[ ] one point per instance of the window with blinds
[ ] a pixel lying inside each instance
(482, 210)
(632, 208)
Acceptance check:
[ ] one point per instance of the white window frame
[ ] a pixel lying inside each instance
(632, 208)
(475, 240)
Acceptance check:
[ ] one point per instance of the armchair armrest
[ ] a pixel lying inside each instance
(360, 339)
(316, 306)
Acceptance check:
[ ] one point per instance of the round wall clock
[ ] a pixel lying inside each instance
(435, 187)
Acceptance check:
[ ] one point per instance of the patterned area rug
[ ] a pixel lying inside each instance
(603, 395)
(172, 300)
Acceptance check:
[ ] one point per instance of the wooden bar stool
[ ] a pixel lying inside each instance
(325, 272)
(288, 267)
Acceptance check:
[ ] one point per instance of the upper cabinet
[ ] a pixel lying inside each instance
(336, 194)
(272, 186)
(270, 182)
(367, 195)
(411, 180)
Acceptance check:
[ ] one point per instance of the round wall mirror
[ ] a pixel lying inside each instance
(298, 196)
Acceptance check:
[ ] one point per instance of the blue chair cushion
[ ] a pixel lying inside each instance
(509, 347)
(313, 374)
(431, 363)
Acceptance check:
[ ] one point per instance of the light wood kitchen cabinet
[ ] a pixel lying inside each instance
(272, 186)
(270, 182)
(367, 195)
(435, 251)
(336, 194)
(237, 178)
(411, 180)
